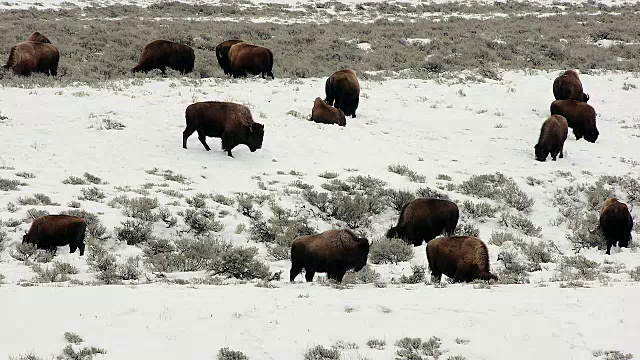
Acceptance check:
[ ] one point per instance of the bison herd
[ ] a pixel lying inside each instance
(461, 258)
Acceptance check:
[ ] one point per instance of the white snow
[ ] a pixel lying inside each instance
(364, 46)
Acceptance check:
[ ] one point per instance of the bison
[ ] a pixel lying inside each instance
(333, 252)
(160, 54)
(615, 223)
(229, 121)
(37, 37)
(250, 58)
(461, 258)
(568, 87)
(50, 231)
(31, 56)
(325, 114)
(343, 91)
(423, 219)
(222, 53)
(581, 117)
(552, 137)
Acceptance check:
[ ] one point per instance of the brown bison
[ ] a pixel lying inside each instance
(222, 53)
(333, 252)
(231, 122)
(461, 258)
(552, 136)
(581, 117)
(160, 54)
(616, 223)
(568, 87)
(343, 91)
(37, 37)
(30, 56)
(423, 219)
(50, 231)
(325, 114)
(250, 58)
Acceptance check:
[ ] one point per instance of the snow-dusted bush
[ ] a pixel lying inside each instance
(35, 213)
(405, 171)
(198, 200)
(133, 231)
(4, 238)
(56, 272)
(428, 192)
(390, 251)
(92, 194)
(635, 273)
(23, 252)
(575, 269)
(238, 262)
(202, 221)
(500, 237)
(228, 354)
(397, 199)
(95, 229)
(107, 268)
(417, 276)
(328, 175)
(36, 199)
(417, 349)
(520, 223)
(466, 229)
(141, 208)
(611, 355)
(377, 344)
(11, 185)
(478, 210)
(366, 275)
(319, 352)
(73, 338)
(514, 270)
(497, 187)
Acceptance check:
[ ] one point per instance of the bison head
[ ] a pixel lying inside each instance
(541, 152)
(26, 239)
(591, 135)
(256, 135)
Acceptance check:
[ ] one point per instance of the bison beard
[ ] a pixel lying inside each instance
(616, 223)
(461, 258)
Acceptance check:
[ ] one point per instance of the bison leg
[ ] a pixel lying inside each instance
(609, 244)
(436, 277)
(339, 275)
(308, 274)
(185, 135)
(269, 73)
(578, 134)
(202, 137)
(228, 143)
(81, 247)
(72, 248)
(294, 272)
(560, 153)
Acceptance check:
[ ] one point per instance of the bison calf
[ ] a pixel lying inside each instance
(325, 114)
(552, 137)
(581, 117)
(423, 219)
(50, 231)
(616, 223)
(461, 258)
(343, 91)
(569, 87)
(31, 56)
(333, 252)
(222, 54)
(229, 121)
(160, 54)
(249, 58)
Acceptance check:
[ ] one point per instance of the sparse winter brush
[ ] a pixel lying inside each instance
(239, 262)
(416, 349)
(95, 230)
(319, 352)
(397, 199)
(300, 185)
(576, 268)
(134, 232)
(377, 344)
(74, 180)
(328, 175)
(74, 204)
(30, 356)
(500, 237)
(202, 221)
(611, 355)
(11, 207)
(390, 251)
(197, 201)
(514, 270)
(55, 273)
(427, 192)
(26, 175)
(521, 223)
(228, 354)
(366, 275)
(34, 214)
(10, 185)
(466, 229)
(497, 187)
(73, 338)
(223, 200)
(635, 273)
(92, 194)
(418, 275)
(24, 251)
(164, 214)
(479, 210)
(317, 199)
(36, 199)
(406, 172)
(4, 238)
(245, 207)
(334, 185)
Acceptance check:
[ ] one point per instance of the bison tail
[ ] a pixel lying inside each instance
(392, 233)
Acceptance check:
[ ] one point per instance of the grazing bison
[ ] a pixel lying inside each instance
(249, 58)
(50, 231)
(222, 53)
(229, 121)
(461, 258)
(616, 223)
(160, 54)
(423, 219)
(581, 117)
(30, 56)
(37, 37)
(343, 91)
(568, 87)
(552, 136)
(325, 114)
(333, 252)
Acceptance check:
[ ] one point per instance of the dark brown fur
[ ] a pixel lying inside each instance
(250, 58)
(50, 231)
(222, 53)
(423, 219)
(569, 87)
(616, 223)
(29, 56)
(552, 137)
(461, 258)
(581, 117)
(163, 54)
(231, 122)
(325, 114)
(37, 37)
(343, 91)
(333, 251)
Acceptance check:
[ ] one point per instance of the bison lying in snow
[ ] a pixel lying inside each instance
(581, 117)
(333, 252)
(461, 258)
(325, 114)
(37, 37)
(343, 91)
(229, 121)
(568, 87)
(616, 223)
(222, 53)
(552, 137)
(50, 231)
(423, 219)
(31, 56)
(163, 54)
(249, 58)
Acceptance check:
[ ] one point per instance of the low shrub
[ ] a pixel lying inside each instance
(390, 251)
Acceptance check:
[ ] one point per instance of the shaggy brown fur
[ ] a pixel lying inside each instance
(250, 58)
(423, 219)
(333, 252)
(616, 223)
(569, 87)
(231, 122)
(581, 117)
(343, 91)
(50, 231)
(325, 114)
(163, 54)
(552, 136)
(222, 53)
(461, 258)
(37, 37)
(29, 56)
